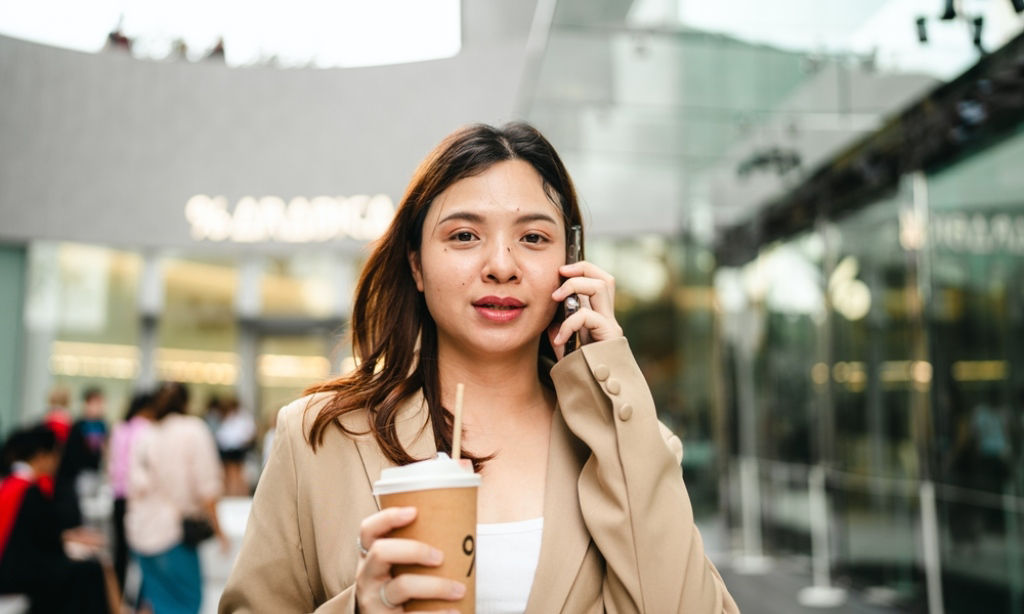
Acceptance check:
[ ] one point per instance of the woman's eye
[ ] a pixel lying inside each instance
(463, 236)
(533, 237)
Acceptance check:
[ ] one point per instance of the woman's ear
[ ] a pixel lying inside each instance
(414, 265)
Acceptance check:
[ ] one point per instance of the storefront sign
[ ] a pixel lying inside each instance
(301, 220)
(979, 233)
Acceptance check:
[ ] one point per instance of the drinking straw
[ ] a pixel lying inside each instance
(457, 427)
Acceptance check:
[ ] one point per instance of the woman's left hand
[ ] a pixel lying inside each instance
(596, 318)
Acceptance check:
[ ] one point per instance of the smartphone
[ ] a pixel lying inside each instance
(571, 304)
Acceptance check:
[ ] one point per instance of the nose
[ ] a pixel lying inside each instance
(502, 265)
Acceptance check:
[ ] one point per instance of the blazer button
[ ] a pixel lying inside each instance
(625, 412)
(601, 372)
(613, 386)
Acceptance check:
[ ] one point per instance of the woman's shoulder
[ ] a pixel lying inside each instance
(298, 417)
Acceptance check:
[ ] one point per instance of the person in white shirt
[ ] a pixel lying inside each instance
(235, 434)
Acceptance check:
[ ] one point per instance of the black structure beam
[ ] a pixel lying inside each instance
(975, 110)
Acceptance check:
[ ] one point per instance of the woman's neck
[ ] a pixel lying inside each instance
(496, 388)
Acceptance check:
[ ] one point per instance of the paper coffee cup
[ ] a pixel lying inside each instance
(444, 495)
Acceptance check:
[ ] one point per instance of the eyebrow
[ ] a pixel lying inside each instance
(476, 218)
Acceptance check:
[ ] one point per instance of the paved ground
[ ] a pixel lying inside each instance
(232, 513)
(776, 592)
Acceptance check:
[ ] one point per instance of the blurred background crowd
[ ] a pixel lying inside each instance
(87, 509)
(813, 210)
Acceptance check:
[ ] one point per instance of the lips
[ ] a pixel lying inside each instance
(495, 302)
(499, 309)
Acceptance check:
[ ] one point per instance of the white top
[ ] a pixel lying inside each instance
(506, 560)
(236, 431)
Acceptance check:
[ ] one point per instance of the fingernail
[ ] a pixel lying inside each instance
(458, 590)
(435, 556)
(407, 512)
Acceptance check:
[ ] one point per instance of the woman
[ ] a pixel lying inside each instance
(174, 474)
(466, 286)
(122, 439)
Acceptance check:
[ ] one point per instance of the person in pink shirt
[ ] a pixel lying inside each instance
(136, 420)
(175, 474)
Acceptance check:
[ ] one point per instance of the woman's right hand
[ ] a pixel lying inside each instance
(376, 589)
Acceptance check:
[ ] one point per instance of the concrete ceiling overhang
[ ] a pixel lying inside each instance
(108, 149)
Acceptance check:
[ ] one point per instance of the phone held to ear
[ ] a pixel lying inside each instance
(571, 304)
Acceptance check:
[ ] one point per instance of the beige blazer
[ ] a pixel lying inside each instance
(618, 533)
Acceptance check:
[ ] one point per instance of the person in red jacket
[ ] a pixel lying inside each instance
(32, 557)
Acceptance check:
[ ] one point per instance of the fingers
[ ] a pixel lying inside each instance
(596, 290)
(596, 318)
(416, 586)
(373, 576)
(383, 522)
(587, 269)
(386, 552)
(588, 280)
(599, 327)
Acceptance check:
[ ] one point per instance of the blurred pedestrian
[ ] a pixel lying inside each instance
(214, 413)
(79, 470)
(33, 560)
(58, 416)
(235, 436)
(78, 474)
(174, 478)
(122, 439)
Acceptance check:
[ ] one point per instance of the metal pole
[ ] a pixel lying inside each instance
(930, 545)
(822, 594)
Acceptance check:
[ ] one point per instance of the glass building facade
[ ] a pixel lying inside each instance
(885, 350)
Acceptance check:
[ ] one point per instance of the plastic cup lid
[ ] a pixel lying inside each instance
(439, 472)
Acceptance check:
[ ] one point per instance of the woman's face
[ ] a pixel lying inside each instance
(488, 261)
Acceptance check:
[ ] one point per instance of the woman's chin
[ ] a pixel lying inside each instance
(499, 345)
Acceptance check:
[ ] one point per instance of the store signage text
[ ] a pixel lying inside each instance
(300, 220)
(979, 233)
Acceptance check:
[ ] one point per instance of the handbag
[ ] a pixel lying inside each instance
(195, 530)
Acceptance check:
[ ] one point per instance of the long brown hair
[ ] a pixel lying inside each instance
(389, 314)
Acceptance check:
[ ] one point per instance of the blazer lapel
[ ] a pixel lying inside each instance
(565, 539)
(413, 427)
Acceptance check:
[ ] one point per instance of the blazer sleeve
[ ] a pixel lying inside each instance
(269, 574)
(631, 489)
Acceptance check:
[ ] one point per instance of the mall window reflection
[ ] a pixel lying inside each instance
(78, 299)
(884, 347)
(664, 303)
(259, 328)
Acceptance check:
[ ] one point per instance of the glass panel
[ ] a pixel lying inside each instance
(774, 310)
(82, 314)
(288, 364)
(975, 320)
(303, 285)
(872, 289)
(197, 331)
(663, 302)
